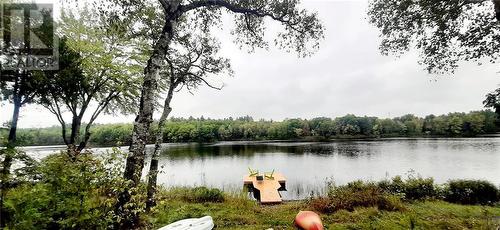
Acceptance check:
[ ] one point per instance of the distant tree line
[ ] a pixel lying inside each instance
(321, 128)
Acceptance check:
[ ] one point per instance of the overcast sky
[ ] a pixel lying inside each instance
(347, 76)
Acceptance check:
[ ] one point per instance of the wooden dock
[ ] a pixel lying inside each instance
(268, 188)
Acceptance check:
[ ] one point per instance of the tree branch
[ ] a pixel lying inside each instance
(57, 111)
(94, 116)
(231, 7)
(205, 81)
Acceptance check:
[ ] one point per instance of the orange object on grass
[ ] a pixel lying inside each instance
(308, 220)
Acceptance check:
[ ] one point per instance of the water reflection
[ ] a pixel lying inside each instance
(308, 165)
(248, 149)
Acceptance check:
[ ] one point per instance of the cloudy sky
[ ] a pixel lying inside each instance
(347, 76)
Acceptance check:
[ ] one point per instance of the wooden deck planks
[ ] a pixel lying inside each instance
(268, 187)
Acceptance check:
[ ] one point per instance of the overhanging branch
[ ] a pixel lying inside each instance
(233, 8)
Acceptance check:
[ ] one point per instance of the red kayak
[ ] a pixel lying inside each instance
(308, 220)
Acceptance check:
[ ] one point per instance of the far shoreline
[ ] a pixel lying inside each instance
(302, 140)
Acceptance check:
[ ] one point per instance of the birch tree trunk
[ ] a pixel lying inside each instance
(142, 123)
(153, 166)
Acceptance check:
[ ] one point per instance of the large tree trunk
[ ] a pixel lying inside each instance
(135, 160)
(76, 123)
(153, 166)
(8, 158)
(75, 129)
(86, 138)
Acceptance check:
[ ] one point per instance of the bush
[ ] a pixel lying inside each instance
(68, 194)
(471, 192)
(413, 188)
(386, 194)
(355, 194)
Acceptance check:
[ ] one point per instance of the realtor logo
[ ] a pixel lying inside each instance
(27, 37)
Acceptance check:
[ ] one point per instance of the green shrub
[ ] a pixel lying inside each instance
(68, 194)
(471, 192)
(355, 194)
(413, 188)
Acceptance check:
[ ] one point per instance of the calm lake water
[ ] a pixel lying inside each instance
(307, 166)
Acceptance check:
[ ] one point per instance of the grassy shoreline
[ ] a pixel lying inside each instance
(411, 203)
(238, 212)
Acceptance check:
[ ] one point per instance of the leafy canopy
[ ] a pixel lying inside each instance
(301, 30)
(444, 32)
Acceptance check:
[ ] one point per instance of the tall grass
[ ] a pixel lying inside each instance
(389, 194)
(193, 195)
(356, 194)
(412, 188)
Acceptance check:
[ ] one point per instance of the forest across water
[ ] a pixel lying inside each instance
(317, 129)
